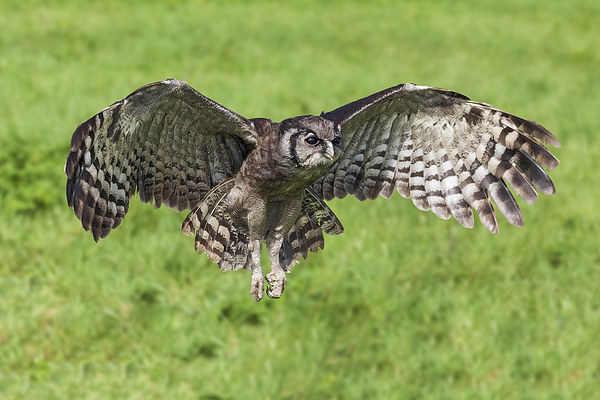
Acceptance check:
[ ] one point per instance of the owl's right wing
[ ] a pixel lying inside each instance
(447, 153)
(166, 140)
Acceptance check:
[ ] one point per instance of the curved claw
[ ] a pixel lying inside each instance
(276, 284)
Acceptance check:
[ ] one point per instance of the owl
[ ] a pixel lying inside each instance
(249, 181)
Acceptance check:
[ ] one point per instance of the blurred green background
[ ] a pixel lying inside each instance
(403, 305)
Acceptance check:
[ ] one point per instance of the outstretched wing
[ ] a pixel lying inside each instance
(165, 139)
(445, 152)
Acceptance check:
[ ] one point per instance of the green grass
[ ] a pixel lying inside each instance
(403, 305)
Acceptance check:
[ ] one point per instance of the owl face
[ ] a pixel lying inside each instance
(311, 141)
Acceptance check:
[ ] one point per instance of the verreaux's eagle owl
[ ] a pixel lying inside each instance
(249, 180)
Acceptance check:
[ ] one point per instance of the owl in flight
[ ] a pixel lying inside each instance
(249, 180)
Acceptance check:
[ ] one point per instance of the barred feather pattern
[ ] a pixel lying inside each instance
(223, 237)
(307, 233)
(166, 140)
(446, 153)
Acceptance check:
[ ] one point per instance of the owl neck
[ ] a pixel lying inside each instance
(277, 176)
(267, 171)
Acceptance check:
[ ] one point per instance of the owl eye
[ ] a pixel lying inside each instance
(336, 140)
(312, 139)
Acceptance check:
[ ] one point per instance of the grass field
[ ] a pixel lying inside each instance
(402, 306)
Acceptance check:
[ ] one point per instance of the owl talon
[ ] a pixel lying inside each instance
(276, 283)
(257, 286)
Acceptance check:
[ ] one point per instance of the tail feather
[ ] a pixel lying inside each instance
(320, 213)
(307, 233)
(222, 237)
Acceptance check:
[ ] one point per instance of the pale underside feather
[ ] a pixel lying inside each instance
(445, 152)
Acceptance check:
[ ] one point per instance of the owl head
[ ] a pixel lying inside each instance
(310, 141)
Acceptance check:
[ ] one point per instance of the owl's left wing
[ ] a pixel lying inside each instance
(165, 140)
(445, 152)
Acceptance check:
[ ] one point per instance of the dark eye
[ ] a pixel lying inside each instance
(312, 139)
(336, 140)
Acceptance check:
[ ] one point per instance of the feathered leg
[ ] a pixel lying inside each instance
(257, 217)
(257, 280)
(276, 277)
(281, 217)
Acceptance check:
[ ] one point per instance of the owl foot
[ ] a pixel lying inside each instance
(276, 280)
(257, 285)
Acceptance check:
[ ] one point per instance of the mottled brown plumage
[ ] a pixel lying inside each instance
(248, 181)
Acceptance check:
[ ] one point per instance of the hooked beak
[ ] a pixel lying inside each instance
(329, 153)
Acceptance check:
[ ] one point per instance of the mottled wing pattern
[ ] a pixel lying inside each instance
(445, 152)
(307, 233)
(166, 140)
(223, 237)
(320, 213)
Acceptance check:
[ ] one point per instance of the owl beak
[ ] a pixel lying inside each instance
(329, 152)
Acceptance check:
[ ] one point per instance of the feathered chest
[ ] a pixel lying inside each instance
(273, 174)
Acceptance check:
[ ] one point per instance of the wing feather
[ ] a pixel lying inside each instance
(166, 140)
(389, 165)
(433, 186)
(307, 233)
(440, 149)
